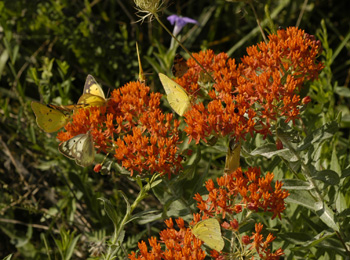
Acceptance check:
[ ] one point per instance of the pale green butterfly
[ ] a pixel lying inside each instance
(209, 232)
(79, 148)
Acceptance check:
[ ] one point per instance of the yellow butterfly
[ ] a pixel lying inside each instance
(92, 94)
(209, 232)
(233, 155)
(176, 95)
(67, 108)
(49, 118)
(79, 148)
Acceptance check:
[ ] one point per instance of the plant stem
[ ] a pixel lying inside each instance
(114, 241)
(258, 21)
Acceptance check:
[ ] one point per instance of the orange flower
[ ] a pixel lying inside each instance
(179, 244)
(259, 91)
(132, 127)
(250, 190)
(262, 246)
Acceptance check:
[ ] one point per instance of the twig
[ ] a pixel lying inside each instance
(301, 13)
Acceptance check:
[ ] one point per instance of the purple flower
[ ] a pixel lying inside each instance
(179, 22)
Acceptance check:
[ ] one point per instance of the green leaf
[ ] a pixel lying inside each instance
(335, 166)
(3, 60)
(270, 150)
(327, 176)
(312, 242)
(128, 207)
(302, 198)
(111, 211)
(341, 203)
(345, 173)
(71, 246)
(325, 132)
(296, 185)
(146, 216)
(295, 238)
(190, 169)
(8, 257)
(344, 213)
(342, 91)
(326, 215)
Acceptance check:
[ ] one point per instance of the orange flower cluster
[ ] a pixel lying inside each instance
(262, 247)
(263, 88)
(179, 244)
(251, 189)
(248, 189)
(133, 128)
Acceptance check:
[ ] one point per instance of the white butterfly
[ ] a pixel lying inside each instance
(79, 148)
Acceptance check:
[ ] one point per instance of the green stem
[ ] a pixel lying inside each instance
(142, 194)
(189, 53)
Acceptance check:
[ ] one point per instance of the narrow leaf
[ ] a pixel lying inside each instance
(326, 215)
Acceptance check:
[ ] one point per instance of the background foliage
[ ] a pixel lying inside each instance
(50, 207)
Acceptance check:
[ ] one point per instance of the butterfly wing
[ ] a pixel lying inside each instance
(92, 94)
(84, 150)
(209, 232)
(180, 66)
(92, 87)
(49, 119)
(66, 148)
(176, 95)
(91, 100)
(67, 108)
(81, 148)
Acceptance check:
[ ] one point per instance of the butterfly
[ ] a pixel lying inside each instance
(67, 108)
(233, 156)
(180, 66)
(209, 232)
(176, 95)
(92, 94)
(79, 148)
(49, 119)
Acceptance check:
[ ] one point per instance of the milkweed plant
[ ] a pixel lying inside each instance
(259, 102)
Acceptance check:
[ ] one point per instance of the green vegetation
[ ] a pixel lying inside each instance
(51, 208)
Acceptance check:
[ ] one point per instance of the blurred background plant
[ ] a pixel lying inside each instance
(50, 208)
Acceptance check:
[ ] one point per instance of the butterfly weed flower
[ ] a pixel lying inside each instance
(177, 244)
(182, 243)
(274, 74)
(262, 247)
(252, 96)
(249, 189)
(132, 128)
(217, 116)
